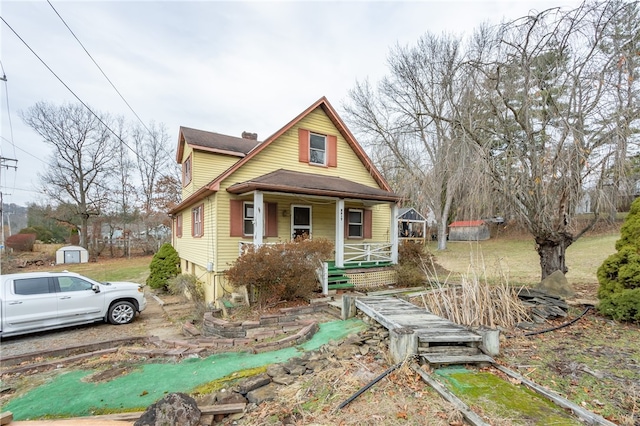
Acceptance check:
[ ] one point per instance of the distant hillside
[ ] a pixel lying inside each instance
(15, 217)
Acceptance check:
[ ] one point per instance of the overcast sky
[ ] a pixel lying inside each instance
(226, 67)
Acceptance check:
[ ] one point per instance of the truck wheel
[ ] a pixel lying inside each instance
(121, 312)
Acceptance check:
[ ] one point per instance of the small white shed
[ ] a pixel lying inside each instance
(72, 254)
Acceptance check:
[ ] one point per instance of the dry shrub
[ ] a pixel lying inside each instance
(411, 260)
(21, 242)
(475, 302)
(283, 271)
(189, 286)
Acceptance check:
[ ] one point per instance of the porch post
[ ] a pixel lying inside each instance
(339, 233)
(258, 218)
(393, 230)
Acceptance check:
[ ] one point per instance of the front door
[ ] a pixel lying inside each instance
(300, 221)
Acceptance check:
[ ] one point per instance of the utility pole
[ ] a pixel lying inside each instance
(5, 163)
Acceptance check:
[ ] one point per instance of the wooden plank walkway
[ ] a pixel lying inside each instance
(393, 313)
(440, 341)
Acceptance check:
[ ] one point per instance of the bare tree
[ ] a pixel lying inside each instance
(543, 117)
(622, 42)
(409, 125)
(154, 165)
(527, 114)
(81, 163)
(153, 159)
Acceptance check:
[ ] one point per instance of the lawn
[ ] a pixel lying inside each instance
(518, 261)
(135, 269)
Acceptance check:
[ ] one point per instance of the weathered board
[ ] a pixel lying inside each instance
(394, 313)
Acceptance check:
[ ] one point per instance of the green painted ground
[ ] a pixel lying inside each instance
(504, 399)
(67, 395)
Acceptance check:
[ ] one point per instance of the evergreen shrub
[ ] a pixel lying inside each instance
(619, 274)
(164, 265)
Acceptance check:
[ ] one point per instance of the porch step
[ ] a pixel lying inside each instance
(337, 279)
(361, 264)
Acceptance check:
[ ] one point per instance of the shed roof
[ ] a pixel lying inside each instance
(409, 213)
(467, 223)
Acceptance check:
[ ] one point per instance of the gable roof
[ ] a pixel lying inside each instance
(201, 140)
(323, 103)
(288, 181)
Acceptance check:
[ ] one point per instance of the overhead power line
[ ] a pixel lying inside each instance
(96, 64)
(74, 94)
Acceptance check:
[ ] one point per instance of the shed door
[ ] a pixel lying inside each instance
(72, 256)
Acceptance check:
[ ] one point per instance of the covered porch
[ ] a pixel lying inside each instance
(361, 221)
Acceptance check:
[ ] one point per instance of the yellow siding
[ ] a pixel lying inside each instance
(205, 166)
(188, 189)
(218, 247)
(283, 154)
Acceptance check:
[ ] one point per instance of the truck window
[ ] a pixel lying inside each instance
(73, 284)
(32, 285)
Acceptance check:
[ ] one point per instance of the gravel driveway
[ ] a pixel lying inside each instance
(163, 318)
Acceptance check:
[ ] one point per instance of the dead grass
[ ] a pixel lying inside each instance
(516, 259)
(401, 398)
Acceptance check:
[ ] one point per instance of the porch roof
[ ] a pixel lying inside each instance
(291, 182)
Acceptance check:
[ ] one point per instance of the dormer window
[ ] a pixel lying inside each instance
(317, 149)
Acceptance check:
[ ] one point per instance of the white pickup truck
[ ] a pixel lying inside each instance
(38, 301)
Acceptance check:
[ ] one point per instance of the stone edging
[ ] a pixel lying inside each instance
(195, 346)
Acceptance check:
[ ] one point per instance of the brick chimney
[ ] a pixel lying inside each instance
(249, 135)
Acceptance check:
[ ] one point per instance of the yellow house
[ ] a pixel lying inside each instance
(310, 178)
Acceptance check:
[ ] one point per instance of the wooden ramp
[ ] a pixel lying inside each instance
(440, 341)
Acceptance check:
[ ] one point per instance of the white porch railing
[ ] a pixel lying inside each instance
(244, 246)
(355, 254)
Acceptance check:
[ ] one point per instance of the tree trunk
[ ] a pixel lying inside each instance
(551, 250)
(84, 232)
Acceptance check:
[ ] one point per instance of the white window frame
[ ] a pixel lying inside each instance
(295, 227)
(246, 219)
(197, 222)
(322, 151)
(360, 224)
(187, 171)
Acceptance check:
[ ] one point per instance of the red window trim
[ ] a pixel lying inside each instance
(331, 148)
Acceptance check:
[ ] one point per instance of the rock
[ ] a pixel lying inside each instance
(230, 398)
(276, 370)
(265, 393)
(284, 380)
(346, 351)
(557, 285)
(296, 370)
(173, 409)
(317, 365)
(252, 383)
